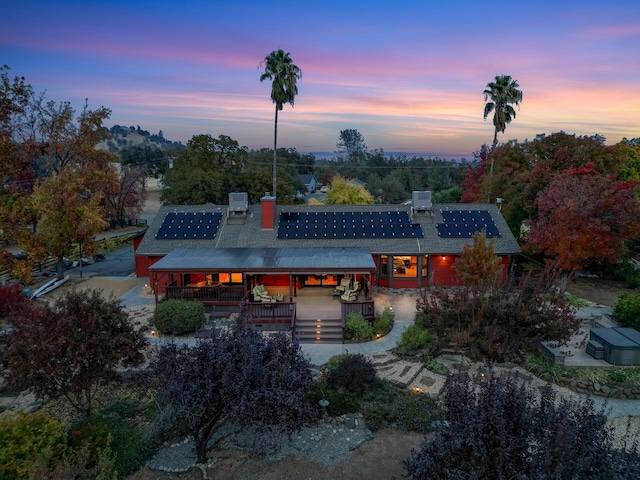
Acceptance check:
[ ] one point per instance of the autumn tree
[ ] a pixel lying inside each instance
(237, 377)
(584, 216)
(72, 348)
(478, 265)
(127, 201)
(60, 204)
(344, 193)
(502, 428)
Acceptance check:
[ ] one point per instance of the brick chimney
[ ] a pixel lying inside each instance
(268, 204)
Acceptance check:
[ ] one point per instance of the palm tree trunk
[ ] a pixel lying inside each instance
(493, 147)
(275, 152)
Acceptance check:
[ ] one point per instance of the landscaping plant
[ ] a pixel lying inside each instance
(236, 377)
(178, 317)
(354, 373)
(72, 348)
(357, 328)
(501, 321)
(627, 310)
(500, 428)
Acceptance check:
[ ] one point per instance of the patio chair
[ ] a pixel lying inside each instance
(344, 284)
(349, 295)
(258, 292)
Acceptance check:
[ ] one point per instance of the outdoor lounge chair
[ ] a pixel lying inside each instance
(259, 292)
(344, 284)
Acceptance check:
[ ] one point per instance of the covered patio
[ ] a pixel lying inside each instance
(301, 285)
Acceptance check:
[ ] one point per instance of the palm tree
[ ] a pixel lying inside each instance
(279, 67)
(502, 92)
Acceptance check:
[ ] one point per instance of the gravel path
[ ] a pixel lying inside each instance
(326, 443)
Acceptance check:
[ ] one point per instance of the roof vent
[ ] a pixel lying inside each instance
(421, 202)
(238, 204)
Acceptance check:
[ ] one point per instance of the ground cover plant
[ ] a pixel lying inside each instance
(500, 428)
(380, 403)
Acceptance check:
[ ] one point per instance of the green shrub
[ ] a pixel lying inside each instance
(627, 310)
(335, 360)
(357, 328)
(339, 402)
(353, 374)
(422, 319)
(29, 443)
(177, 317)
(383, 322)
(129, 444)
(413, 340)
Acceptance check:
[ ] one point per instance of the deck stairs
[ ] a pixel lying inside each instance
(318, 330)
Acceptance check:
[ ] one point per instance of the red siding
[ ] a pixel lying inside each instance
(442, 269)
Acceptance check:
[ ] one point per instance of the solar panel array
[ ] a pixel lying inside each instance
(185, 225)
(464, 223)
(298, 225)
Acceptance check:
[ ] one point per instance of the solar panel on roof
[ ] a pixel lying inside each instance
(194, 225)
(464, 223)
(347, 225)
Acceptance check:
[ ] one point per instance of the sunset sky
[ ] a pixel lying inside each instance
(408, 75)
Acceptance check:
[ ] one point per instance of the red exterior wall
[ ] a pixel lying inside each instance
(442, 271)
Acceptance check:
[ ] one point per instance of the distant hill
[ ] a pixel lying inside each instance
(124, 137)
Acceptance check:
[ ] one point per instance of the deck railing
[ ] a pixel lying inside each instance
(364, 307)
(273, 312)
(207, 294)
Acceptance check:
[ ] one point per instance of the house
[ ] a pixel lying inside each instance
(219, 254)
(309, 181)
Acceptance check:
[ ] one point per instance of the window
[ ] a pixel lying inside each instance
(405, 266)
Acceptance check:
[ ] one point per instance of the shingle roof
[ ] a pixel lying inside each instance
(247, 232)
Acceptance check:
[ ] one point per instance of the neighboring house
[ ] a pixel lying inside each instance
(217, 254)
(309, 181)
(355, 182)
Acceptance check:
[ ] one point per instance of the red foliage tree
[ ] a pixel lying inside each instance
(72, 348)
(584, 215)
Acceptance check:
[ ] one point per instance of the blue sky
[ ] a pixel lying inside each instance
(408, 75)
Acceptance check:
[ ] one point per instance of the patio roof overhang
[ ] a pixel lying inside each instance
(261, 260)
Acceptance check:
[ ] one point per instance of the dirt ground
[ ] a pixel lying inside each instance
(380, 458)
(597, 290)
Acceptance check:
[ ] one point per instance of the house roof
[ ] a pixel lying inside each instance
(357, 260)
(247, 231)
(306, 178)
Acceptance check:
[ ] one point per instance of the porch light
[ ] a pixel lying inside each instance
(444, 257)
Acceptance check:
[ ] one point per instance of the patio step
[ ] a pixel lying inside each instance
(319, 331)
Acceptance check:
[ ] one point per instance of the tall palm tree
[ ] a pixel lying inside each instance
(279, 68)
(502, 92)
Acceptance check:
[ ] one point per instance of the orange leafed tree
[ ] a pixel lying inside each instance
(478, 265)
